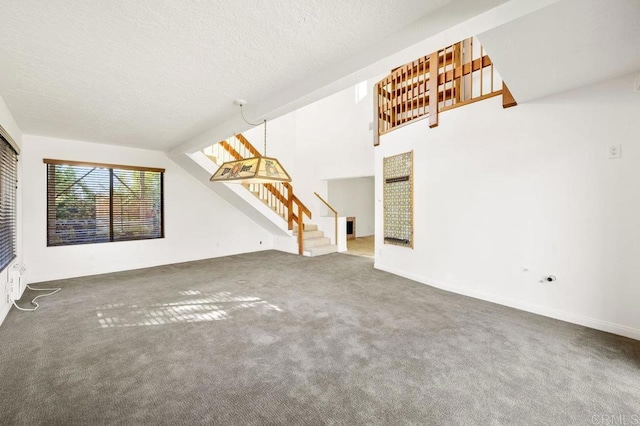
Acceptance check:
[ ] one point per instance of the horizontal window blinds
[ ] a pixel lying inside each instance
(8, 185)
(137, 205)
(7, 138)
(94, 203)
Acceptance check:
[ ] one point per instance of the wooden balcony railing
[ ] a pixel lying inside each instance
(451, 77)
(279, 196)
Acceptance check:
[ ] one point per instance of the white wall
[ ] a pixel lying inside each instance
(9, 124)
(328, 139)
(355, 197)
(530, 187)
(198, 223)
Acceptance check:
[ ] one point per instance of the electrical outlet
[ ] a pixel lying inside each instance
(615, 151)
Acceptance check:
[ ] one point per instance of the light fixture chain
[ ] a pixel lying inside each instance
(255, 124)
(245, 120)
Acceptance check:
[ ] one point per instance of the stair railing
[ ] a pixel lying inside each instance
(297, 218)
(451, 77)
(279, 196)
(335, 216)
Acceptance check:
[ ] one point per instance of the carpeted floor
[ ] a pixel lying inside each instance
(276, 339)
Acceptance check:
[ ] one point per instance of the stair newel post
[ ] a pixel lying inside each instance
(300, 231)
(290, 206)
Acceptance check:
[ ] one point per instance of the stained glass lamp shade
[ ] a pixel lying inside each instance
(251, 170)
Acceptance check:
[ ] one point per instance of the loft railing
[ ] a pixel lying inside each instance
(451, 77)
(279, 196)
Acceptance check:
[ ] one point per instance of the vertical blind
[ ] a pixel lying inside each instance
(96, 203)
(8, 186)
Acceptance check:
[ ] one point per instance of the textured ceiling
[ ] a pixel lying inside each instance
(154, 73)
(162, 74)
(566, 45)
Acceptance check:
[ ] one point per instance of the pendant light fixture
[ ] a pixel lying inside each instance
(259, 169)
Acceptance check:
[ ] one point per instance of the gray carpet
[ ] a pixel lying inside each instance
(276, 339)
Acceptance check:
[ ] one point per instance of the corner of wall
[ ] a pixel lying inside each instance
(11, 127)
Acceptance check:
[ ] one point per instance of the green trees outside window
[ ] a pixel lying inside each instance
(94, 203)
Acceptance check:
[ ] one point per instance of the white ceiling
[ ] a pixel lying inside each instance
(566, 45)
(153, 73)
(162, 74)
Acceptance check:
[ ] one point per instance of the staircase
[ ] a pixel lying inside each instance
(315, 243)
(278, 197)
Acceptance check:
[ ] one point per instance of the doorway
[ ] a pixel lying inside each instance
(355, 199)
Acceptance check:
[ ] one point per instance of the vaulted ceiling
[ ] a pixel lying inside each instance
(566, 45)
(154, 73)
(163, 74)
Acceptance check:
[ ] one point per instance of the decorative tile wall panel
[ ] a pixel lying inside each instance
(398, 199)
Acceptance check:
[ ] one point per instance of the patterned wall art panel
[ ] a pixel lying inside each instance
(398, 199)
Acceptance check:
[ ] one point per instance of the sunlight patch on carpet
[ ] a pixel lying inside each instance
(202, 307)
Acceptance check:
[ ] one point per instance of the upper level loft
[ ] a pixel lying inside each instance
(456, 75)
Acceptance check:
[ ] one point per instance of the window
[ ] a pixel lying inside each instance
(8, 186)
(361, 91)
(98, 203)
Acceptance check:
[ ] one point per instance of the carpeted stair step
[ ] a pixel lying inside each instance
(310, 231)
(320, 250)
(307, 227)
(307, 235)
(316, 242)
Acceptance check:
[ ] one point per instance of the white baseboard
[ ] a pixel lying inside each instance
(35, 278)
(609, 327)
